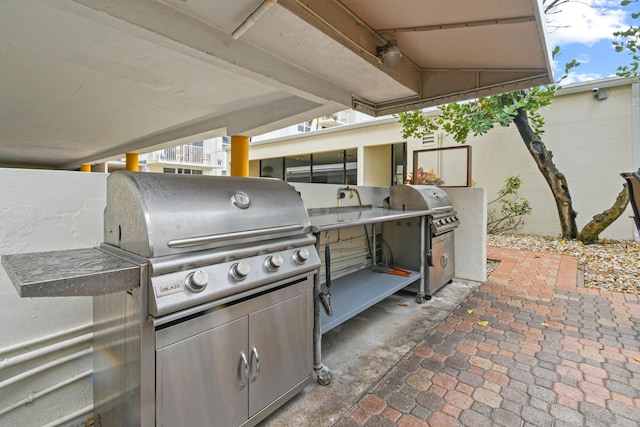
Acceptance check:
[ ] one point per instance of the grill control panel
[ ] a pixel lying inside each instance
(183, 289)
(445, 223)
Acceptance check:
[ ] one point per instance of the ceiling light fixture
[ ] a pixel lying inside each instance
(600, 94)
(390, 53)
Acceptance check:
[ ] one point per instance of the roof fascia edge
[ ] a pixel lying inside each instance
(416, 103)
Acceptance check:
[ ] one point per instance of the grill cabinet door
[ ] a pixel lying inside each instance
(279, 335)
(443, 255)
(198, 378)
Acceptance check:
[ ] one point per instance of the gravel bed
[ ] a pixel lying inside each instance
(612, 265)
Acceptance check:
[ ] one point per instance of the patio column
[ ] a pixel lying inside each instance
(85, 167)
(239, 155)
(132, 162)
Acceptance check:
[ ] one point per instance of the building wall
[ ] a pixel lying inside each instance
(377, 132)
(212, 150)
(592, 143)
(46, 211)
(376, 163)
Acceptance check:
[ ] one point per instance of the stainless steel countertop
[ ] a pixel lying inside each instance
(75, 272)
(349, 218)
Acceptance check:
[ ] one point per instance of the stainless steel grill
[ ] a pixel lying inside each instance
(205, 237)
(403, 237)
(219, 331)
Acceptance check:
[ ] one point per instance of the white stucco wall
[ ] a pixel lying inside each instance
(471, 235)
(591, 143)
(46, 211)
(376, 132)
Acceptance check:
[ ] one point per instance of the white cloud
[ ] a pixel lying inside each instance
(580, 77)
(558, 69)
(585, 22)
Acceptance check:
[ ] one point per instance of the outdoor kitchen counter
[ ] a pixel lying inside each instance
(335, 218)
(74, 272)
(355, 292)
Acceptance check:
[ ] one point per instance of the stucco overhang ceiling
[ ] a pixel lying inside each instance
(87, 80)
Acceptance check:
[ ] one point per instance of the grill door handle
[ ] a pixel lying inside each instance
(243, 370)
(444, 260)
(254, 361)
(205, 240)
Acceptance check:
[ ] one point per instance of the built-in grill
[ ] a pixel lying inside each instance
(403, 238)
(220, 330)
(203, 305)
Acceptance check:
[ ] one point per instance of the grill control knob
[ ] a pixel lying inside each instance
(240, 270)
(274, 262)
(197, 281)
(301, 256)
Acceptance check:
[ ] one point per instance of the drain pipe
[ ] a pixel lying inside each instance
(252, 19)
(44, 367)
(49, 337)
(31, 397)
(62, 345)
(86, 411)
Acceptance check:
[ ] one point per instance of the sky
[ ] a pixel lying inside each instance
(583, 29)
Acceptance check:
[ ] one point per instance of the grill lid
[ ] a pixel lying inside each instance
(154, 215)
(419, 197)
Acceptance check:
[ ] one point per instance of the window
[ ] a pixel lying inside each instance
(328, 168)
(351, 167)
(304, 127)
(182, 171)
(298, 168)
(398, 163)
(447, 166)
(333, 167)
(272, 168)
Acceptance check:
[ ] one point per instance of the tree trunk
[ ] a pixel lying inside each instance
(590, 232)
(555, 179)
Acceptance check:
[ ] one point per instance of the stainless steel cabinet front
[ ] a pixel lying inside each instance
(227, 366)
(277, 351)
(443, 256)
(199, 379)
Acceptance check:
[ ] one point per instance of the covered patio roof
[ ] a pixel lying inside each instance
(89, 80)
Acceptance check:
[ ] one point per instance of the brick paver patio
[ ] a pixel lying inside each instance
(527, 348)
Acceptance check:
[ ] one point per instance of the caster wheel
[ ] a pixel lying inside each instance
(325, 376)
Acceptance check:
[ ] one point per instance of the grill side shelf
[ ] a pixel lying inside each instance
(74, 272)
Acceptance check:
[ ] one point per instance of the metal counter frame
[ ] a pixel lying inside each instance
(358, 291)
